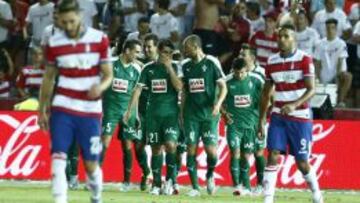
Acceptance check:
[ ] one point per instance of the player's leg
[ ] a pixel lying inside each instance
(300, 137)
(276, 143)
(260, 164)
(72, 165)
(234, 145)
(62, 134)
(180, 150)
(171, 136)
(142, 159)
(247, 143)
(209, 134)
(192, 129)
(109, 124)
(88, 135)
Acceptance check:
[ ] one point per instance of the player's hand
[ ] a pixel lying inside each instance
(228, 118)
(288, 108)
(126, 117)
(94, 92)
(43, 121)
(216, 110)
(166, 60)
(261, 131)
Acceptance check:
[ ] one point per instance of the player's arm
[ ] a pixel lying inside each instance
(46, 91)
(133, 102)
(264, 105)
(174, 78)
(107, 76)
(222, 95)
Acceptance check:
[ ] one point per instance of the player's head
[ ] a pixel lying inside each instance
(286, 38)
(165, 48)
(143, 25)
(131, 50)
(150, 46)
(248, 53)
(331, 28)
(37, 55)
(192, 45)
(239, 68)
(69, 17)
(301, 19)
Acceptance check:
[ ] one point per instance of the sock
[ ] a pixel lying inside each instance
(192, 170)
(156, 166)
(141, 157)
(244, 168)
(211, 163)
(178, 166)
(59, 183)
(269, 183)
(234, 168)
(127, 162)
(260, 167)
(312, 181)
(95, 182)
(171, 166)
(102, 155)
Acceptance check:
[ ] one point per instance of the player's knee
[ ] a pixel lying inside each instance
(273, 157)
(106, 141)
(156, 149)
(191, 149)
(259, 153)
(245, 156)
(170, 147)
(126, 144)
(303, 166)
(235, 153)
(211, 150)
(90, 166)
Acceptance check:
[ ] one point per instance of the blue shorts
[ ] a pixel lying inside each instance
(65, 128)
(284, 133)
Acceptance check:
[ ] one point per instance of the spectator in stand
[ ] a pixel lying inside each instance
(31, 76)
(89, 13)
(52, 29)
(6, 72)
(330, 61)
(100, 4)
(31, 103)
(163, 23)
(132, 11)
(143, 29)
(265, 41)
(257, 22)
(18, 33)
(178, 8)
(331, 11)
(288, 16)
(306, 37)
(354, 14)
(265, 6)
(189, 17)
(355, 69)
(6, 22)
(112, 19)
(39, 16)
(317, 5)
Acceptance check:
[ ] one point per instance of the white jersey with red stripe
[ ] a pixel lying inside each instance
(288, 75)
(30, 77)
(78, 63)
(265, 46)
(4, 88)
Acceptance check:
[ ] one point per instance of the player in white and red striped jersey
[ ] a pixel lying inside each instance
(265, 41)
(6, 71)
(31, 76)
(291, 72)
(80, 57)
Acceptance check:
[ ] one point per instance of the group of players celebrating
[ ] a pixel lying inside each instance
(170, 104)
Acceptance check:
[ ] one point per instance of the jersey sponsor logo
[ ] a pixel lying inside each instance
(242, 101)
(159, 86)
(197, 85)
(120, 85)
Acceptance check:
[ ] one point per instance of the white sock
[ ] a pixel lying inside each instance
(59, 183)
(312, 181)
(95, 182)
(269, 183)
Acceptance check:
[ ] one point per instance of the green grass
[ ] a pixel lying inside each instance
(24, 192)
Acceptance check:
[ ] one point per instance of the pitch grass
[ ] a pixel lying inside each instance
(24, 192)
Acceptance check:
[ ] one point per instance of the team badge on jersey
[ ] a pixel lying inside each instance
(120, 85)
(197, 85)
(159, 86)
(242, 101)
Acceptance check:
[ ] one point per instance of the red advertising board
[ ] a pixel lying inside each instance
(25, 154)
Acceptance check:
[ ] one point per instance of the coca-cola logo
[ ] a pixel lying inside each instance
(17, 157)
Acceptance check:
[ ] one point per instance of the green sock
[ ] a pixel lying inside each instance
(127, 162)
(171, 166)
(178, 166)
(244, 173)
(142, 159)
(234, 168)
(211, 163)
(192, 170)
(156, 165)
(260, 168)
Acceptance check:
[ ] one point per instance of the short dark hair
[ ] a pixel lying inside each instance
(331, 21)
(194, 40)
(152, 37)
(238, 63)
(254, 6)
(164, 4)
(249, 47)
(65, 6)
(165, 43)
(130, 44)
(143, 20)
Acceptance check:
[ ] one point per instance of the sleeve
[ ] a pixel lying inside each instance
(8, 15)
(219, 74)
(268, 74)
(308, 67)
(343, 50)
(105, 52)
(20, 80)
(252, 40)
(143, 81)
(29, 16)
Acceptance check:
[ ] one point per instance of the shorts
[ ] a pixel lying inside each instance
(207, 130)
(65, 128)
(160, 130)
(209, 40)
(126, 132)
(238, 138)
(297, 135)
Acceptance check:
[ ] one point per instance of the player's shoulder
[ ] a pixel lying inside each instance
(94, 34)
(340, 13)
(215, 61)
(229, 77)
(149, 65)
(275, 58)
(185, 62)
(136, 66)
